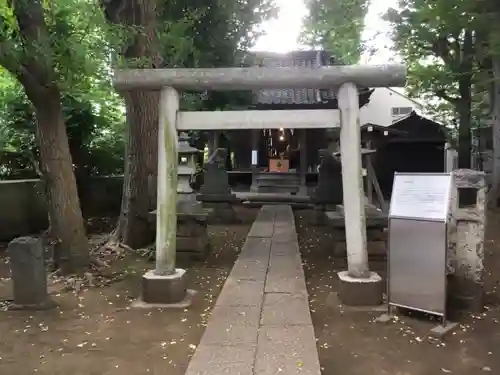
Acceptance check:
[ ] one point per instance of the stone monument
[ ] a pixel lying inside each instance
(216, 192)
(29, 277)
(466, 240)
(328, 192)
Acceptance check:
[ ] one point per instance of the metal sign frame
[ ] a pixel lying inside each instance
(409, 237)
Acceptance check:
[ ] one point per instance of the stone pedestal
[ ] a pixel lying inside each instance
(221, 212)
(192, 239)
(192, 236)
(29, 277)
(164, 289)
(361, 291)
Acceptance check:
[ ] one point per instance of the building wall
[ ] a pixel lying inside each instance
(386, 106)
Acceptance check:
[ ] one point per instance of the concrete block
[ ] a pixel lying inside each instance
(442, 330)
(241, 293)
(255, 247)
(261, 229)
(198, 368)
(295, 313)
(236, 315)
(285, 248)
(287, 350)
(222, 359)
(164, 289)
(249, 270)
(223, 333)
(361, 291)
(275, 283)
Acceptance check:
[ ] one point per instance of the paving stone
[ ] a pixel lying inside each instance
(285, 248)
(256, 248)
(220, 332)
(212, 359)
(249, 270)
(241, 293)
(285, 309)
(288, 350)
(236, 315)
(286, 266)
(275, 283)
(261, 229)
(198, 368)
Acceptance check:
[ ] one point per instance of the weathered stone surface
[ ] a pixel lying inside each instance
(236, 315)
(276, 283)
(166, 289)
(220, 212)
(211, 356)
(241, 293)
(466, 242)
(361, 292)
(29, 277)
(255, 248)
(196, 367)
(274, 311)
(287, 350)
(262, 229)
(222, 333)
(249, 270)
(285, 248)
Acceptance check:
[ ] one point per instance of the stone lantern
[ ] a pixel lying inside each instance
(186, 170)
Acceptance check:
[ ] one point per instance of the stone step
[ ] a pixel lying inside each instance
(277, 189)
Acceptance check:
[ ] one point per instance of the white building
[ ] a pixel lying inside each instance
(388, 105)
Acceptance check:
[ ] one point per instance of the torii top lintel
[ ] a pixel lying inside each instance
(254, 78)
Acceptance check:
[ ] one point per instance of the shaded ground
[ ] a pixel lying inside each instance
(95, 332)
(350, 343)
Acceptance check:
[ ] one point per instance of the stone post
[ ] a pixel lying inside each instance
(467, 240)
(28, 274)
(166, 285)
(358, 286)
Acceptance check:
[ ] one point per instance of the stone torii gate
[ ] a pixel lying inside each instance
(165, 284)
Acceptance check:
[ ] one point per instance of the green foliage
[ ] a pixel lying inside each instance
(95, 133)
(83, 47)
(336, 26)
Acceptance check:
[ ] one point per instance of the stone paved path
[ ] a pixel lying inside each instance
(261, 323)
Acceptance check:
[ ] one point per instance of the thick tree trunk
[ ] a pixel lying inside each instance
(67, 225)
(139, 189)
(134, 228)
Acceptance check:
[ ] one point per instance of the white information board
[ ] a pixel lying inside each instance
(421, 196)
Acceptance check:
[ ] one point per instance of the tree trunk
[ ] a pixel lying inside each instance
(495, 189)
(139, 187)
(67, 225)
(134, 228)
(463, 108)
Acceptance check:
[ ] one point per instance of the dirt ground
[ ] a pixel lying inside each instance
(351, 343)
(95, 332)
